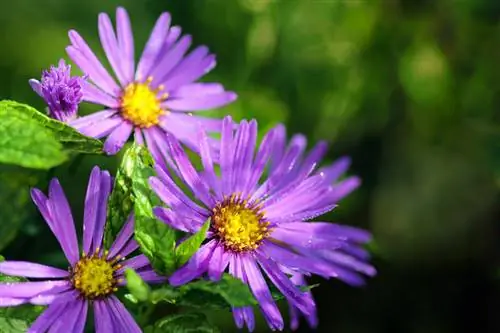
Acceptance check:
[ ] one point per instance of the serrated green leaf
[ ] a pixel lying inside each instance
(120, 202)
(183, 323)
(187, 248)
(155, 238)
(137, 287)
(25, 141)
(71, 139)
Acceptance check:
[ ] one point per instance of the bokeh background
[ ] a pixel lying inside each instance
(409, 89)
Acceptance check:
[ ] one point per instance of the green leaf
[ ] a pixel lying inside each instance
(120, 202)
(156, 239)
(183, 323)
(202, 294)
(17, 207)
(187, 248)
(25, 141)
(278, 296)
(71, 139)
(137, 287)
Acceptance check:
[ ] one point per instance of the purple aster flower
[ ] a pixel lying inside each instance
(61, 91)
(92, 278)
(258, 225)
(154, 97)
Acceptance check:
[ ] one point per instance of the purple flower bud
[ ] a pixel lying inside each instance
(61, 92)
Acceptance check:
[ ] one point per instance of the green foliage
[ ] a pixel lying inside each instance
(183, 323)
(131, 191)
(16, 203)
(138, 288)
(120, 202)
(25, 141)
(33, 140)
(204, 294)
(189, 247)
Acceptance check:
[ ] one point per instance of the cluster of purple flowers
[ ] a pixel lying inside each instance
(260, 203)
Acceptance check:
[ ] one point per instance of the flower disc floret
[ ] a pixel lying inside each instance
(239, 225)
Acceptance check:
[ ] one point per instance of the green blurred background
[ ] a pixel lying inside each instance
(409, 89)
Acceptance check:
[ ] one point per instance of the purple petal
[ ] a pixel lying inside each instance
(207, 161)
(155, 141)
(188, 172)
(167, 216)
(118, 137)
(139, 139)
(153, 46)
(293, 294)
(92, 94)
(312, 160)
(135, 263)
(47, 318)
(327, 230)
(32, 270)
(186, 75)
(196, 266)
(337, 169)
(124, 236)
(102, 128)
(260, 162)
(121, 313)
(218, 263)
(93, 119)
(236, 269)
(100, 221)
(92, 201)
(102, 318)
(81, 318)
(262, 294)
(126, 43)
(110, 46)
(150, 276)
(197, 90)
(83, 56)
(5, 301)
(344, 188)
(59, 207)
(195, 60)
(66, 323)
(206, 102)
(226, 155)
(348, 262)
(29, 289)
(55, 295)
(36, 86)
(169, 60)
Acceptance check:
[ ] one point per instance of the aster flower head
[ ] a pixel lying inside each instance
(153, 97)
(61, 91)
(258, 224)
(92, 277)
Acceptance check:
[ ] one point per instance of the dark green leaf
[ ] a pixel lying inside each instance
(189, 247)
(203, 294)
(25, 141)
(17, 207)
(71, 139)
(156, 239)
(137, 287)
(277, 295)
(183, 323)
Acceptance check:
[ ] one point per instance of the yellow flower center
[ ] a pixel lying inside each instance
(141, 105)
(240, 226)
(94, 276)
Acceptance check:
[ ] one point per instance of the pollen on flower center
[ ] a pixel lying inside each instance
(141, 105)
(240, 226)
(94, 276)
